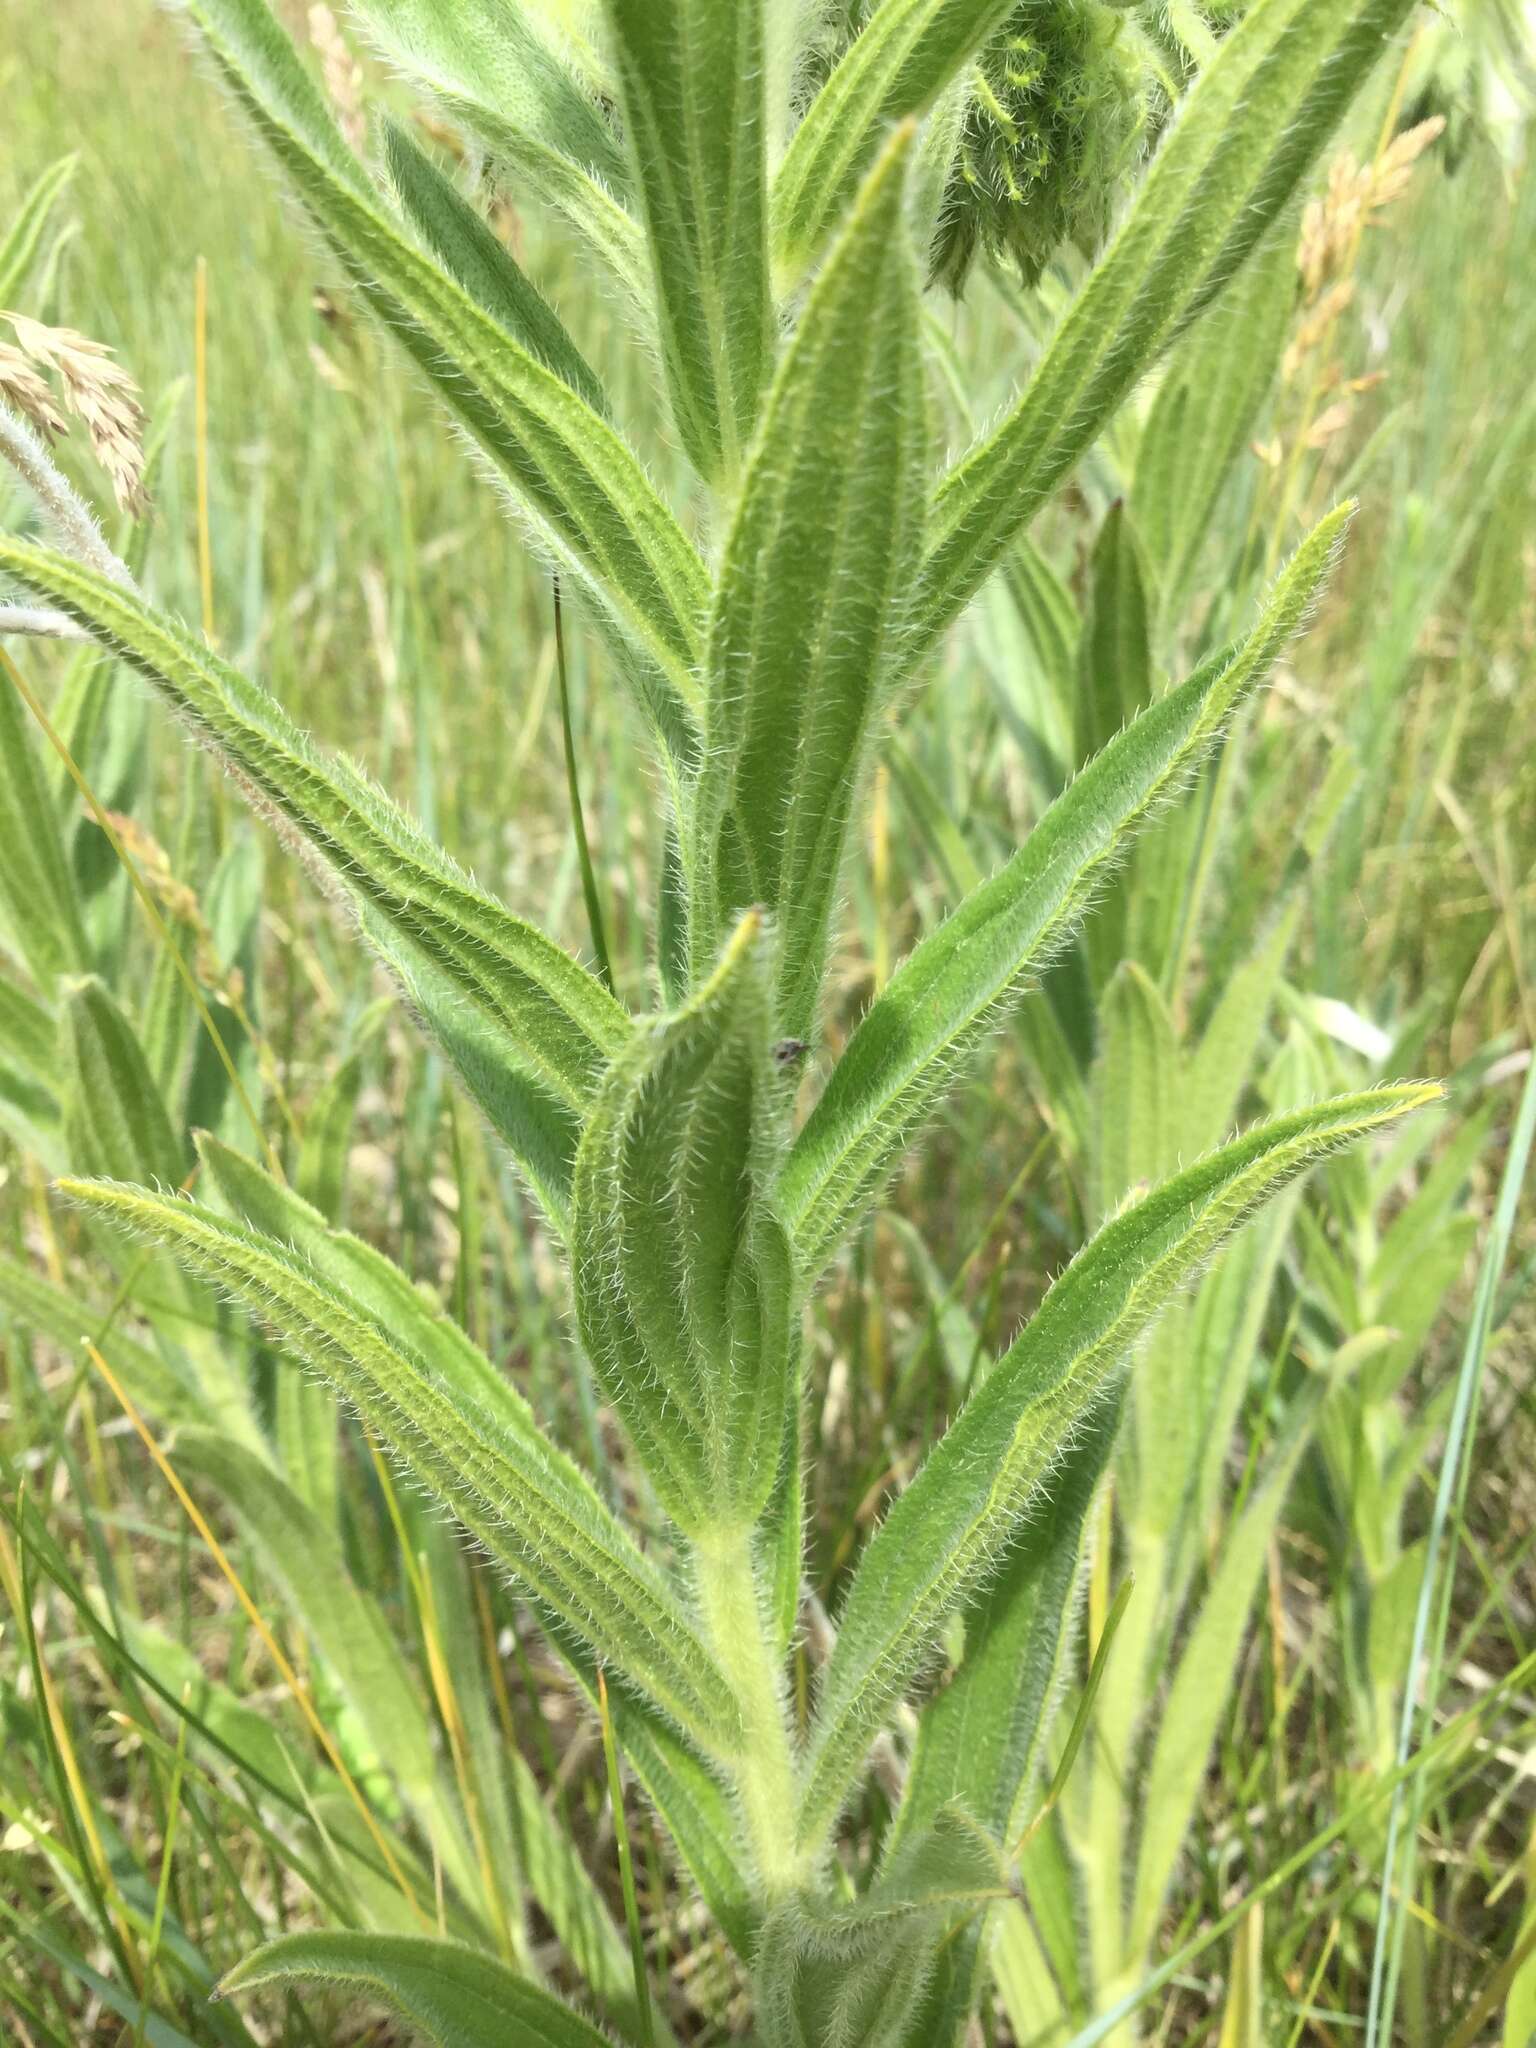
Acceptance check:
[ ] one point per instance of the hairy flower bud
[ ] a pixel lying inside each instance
(1046, 129)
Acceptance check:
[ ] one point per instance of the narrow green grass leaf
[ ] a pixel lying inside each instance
(24, 237)
(517, 1495)
(1205, 412)
(482, 264)
(812, 596)
(1114, 652)
(116, 1118)
(584, 490)
(547, 1029)
(37, 896)
(942, 1539)
(895, 67)
(1244, 138)
(681, 1264)
(454, 1997)
(1185, 1726)
(691, 75)
(307, 1564)
(902, 1058)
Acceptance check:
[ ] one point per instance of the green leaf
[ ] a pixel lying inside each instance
(901, 1060)
(481, 1456)
(492, 73)
(1241, 143)
(1185, 1727)
(37, 896)
(1114, 653)
(118, 1123)
(944, 1536)
(1205, 412)
(23, 239)
(490, 55)
(691, 83)
(455, 1997)
(467, 249)
(897, 66)
(582, 487)
(981, 1738)
(530, 1030)
(307, 1564)
(681, 1265)
(812, 597)
(831, 1971)
(1138, 1087)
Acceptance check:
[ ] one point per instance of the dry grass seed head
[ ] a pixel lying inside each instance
(101, 395)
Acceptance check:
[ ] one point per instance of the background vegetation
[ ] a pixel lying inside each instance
(158, 1770)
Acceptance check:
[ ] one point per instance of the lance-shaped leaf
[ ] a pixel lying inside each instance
(981, 1738)
(494, 55)
(1244, 138)
(944, 1536)
(901, 1060)
(453, 1997)
(464, 244)
(691, 82)
(681, 1263)
(486, 1461)
(1114, 652)
(687, 1796)
(812, 598)
(492, 73)
(582, 487)
(547, 1028)
(896, 66)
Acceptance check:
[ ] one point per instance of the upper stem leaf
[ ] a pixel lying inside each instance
(812, 596)
(941, 1541)
(691, 79)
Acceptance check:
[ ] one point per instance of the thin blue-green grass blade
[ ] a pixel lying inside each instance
(901, 1060)
(811, 605)
(583, 489)
(529, 1029)
(514, 1492)
(24, 237)
(943, 1538)
(897, 66)
(691, 78)
(1244, 138)
(453, 1997)
(1432, 1614)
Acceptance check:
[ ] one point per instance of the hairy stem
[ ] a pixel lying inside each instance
(763, 1770)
